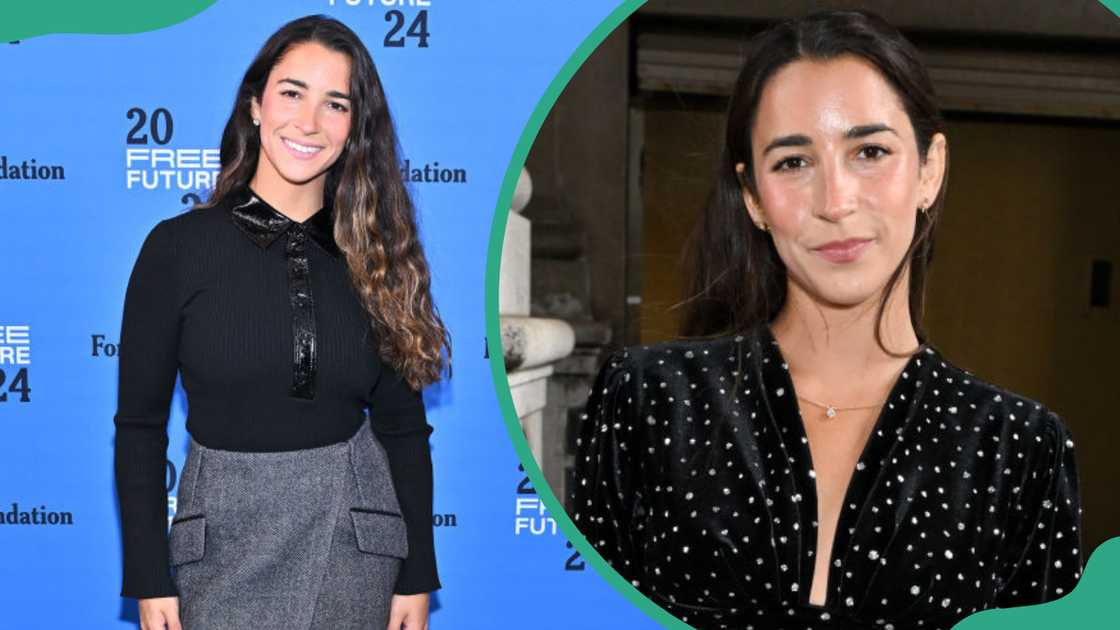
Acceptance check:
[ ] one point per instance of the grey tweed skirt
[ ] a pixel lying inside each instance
(305, 539)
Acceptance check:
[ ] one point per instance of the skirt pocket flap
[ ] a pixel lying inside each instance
(187, 539)
(380, 532)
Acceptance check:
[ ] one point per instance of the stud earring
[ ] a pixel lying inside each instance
(257, 122)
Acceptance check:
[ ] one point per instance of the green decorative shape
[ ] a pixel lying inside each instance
(23, 19)
(493, 326)
(1086, 606)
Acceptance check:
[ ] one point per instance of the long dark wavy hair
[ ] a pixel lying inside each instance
(375, 221)
(736, 280)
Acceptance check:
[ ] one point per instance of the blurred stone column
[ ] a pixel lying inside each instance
(531, 345)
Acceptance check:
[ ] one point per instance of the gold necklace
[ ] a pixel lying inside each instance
(831, 411)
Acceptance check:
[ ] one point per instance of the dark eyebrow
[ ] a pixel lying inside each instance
(298, 83)
(801, 140)
(795, 140)
(860, 131)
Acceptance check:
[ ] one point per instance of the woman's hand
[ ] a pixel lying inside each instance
(159, 613)
(409, 612)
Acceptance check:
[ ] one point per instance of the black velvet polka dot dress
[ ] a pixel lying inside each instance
(694, 481)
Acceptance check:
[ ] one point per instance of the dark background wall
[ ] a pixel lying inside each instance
(1032, 95)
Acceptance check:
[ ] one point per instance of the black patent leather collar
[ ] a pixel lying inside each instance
(263, 223)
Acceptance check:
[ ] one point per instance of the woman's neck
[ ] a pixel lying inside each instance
(296, 201)
(833, 352)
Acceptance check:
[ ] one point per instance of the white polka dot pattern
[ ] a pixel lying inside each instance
(694, 480)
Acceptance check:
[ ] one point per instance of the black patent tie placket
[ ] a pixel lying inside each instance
(263, 224)
(303, 314)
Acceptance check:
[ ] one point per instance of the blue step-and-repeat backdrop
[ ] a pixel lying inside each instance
(102, 136)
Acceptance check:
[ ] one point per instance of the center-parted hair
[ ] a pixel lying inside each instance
(375, 221)
(736, 280)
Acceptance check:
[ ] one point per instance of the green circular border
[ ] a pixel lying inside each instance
(493, 325)
(1091, 601)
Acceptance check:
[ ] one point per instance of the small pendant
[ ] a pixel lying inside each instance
(830, 412)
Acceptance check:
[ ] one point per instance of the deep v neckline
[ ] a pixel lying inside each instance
(781, 400)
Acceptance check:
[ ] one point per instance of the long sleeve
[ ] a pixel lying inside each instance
(398, 419)
(1047, 561)
(606, 499)
(148, 363)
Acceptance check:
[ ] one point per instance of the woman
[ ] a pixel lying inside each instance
(804, 459)
(294, 298)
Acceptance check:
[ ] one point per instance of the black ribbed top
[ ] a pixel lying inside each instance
(258, 316)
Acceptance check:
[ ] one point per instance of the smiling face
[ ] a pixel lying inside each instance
(838, 177)
(304, 114)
